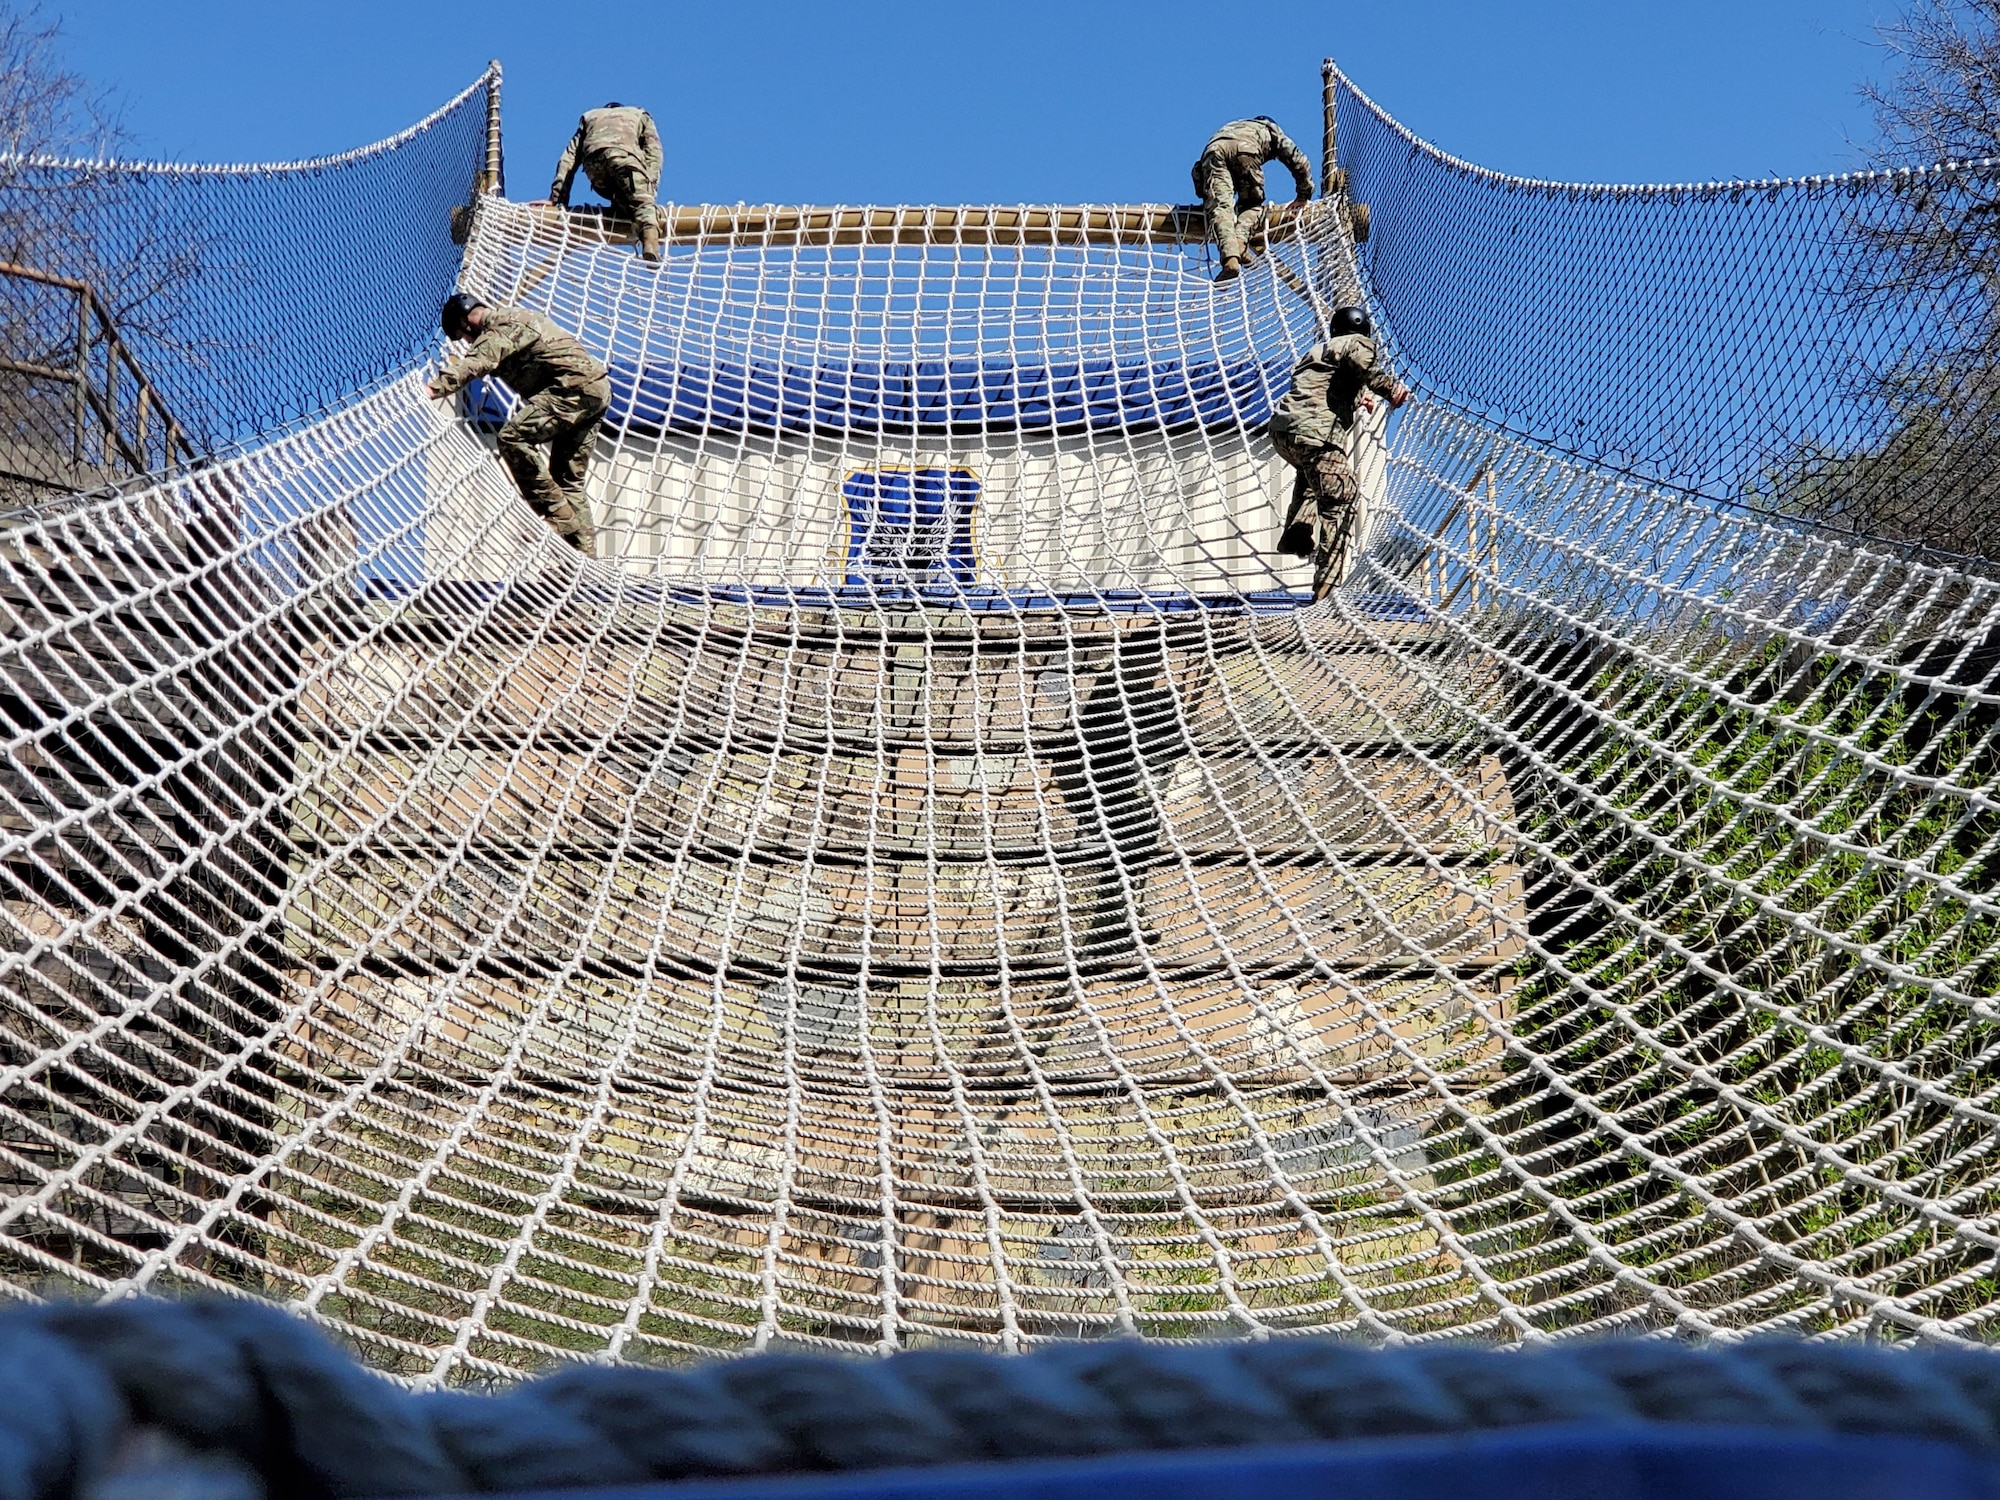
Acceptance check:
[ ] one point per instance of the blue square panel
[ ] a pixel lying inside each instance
(911, 526)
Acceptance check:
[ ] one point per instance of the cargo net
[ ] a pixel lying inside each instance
(935, 878)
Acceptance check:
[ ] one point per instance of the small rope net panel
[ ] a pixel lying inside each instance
(935, 877)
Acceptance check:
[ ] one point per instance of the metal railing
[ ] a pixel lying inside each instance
(111, 425)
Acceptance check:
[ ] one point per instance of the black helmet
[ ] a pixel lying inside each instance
(1349, 320)
(456, 312)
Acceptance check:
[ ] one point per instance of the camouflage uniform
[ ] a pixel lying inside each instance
(1311, 429)
(563, 392)
(618, 149)
(1230, 179)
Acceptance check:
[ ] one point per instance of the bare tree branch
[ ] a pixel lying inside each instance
(85, 221)
(1926, 260)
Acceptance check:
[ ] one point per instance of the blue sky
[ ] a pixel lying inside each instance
(939, 100)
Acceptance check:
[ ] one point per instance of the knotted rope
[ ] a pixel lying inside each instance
(237, 1399)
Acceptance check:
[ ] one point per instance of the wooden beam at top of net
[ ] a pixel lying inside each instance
(1109, 224)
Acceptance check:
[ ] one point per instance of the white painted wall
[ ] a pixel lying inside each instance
(1059, 512)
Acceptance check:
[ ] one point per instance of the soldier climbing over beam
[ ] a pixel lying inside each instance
(1230, 179)
(1312, 430)
(564, 392)
(618, 149)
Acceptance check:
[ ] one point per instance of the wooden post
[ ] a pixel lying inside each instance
(1291, 279)
(1472, 550)
(80, 395)
(1329, 156)
(112, 351)
(490, 179)
(1492, 536)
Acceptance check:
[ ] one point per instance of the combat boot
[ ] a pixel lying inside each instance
(649, 240)
(1231, 269)
(577, 529)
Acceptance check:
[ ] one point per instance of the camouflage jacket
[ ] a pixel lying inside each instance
(626, 133)
(524, 349)
(1248, 144)
(1318, 411)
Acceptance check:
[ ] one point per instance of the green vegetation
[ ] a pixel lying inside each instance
(1703, 1016)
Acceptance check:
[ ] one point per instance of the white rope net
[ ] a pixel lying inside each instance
(934, 878)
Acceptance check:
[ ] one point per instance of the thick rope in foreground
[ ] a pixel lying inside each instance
(237, 1398)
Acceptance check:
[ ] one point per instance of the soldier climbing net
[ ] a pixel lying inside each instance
(934, 878)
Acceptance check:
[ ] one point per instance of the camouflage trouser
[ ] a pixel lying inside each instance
(626, 186)
(566, 421)
(1320, 520)
(1235, 204)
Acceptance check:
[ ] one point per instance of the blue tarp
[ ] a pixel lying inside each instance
(958, 393)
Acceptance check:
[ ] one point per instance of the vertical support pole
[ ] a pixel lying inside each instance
(490, 179)
(113, 351)
(81, 393)
(1472, 553)
(1329, 97)
(1492, 537)
(1472, 546)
